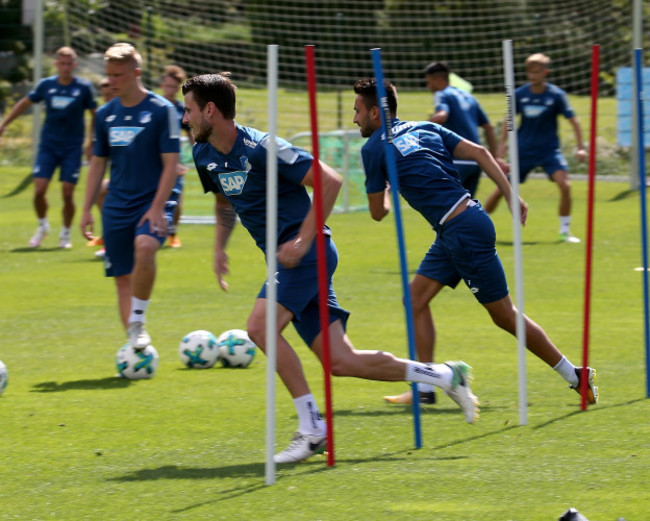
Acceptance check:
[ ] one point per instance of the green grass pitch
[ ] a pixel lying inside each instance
(77, 443)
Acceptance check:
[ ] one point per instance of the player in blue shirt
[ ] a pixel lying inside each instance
(540, 103)
(172, 79)
(231, 162)
(464, 247)
(461, 113)
(138, 131)
(66, 98)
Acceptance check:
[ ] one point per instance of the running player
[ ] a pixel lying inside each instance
(231, 162)
(66, 98)
(138, 131)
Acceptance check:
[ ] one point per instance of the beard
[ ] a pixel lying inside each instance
(203, 133)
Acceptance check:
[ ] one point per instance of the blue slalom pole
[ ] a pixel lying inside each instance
(394, 183)
(638, 67)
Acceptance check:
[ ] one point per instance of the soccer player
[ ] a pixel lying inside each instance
(172, 79)
(138, 131)
(464, 247)
(540, 103)
(231, 162)
(461, 113)
(66, 98)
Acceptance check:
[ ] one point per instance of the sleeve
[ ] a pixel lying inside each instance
(90, 101)
(293, 162)
(101, 146)
(206, 179)
(37, 94)
(564, 105)
(169, 136)
(374, 167)
(449, 138)
(440, 101)
(482, 117)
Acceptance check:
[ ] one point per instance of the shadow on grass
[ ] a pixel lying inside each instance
(29, 249)
(623, 195)
(523, 243)
(111, 382)
(595, 409)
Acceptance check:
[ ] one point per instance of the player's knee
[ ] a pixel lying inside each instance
(256, 328)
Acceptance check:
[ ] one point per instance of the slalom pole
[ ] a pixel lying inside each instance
(394, 183)
(638, 66)
(271, 259)
(516, 226)
(321, 254)
(595, 71)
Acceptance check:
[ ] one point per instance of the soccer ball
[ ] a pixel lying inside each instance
(199, 350)
(4, 377)
(237, 350)
(136, 365)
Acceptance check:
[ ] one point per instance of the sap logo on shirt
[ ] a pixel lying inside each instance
(123, 136)
(533, 111)
(233, 182)
(407, 143)
(61, 102)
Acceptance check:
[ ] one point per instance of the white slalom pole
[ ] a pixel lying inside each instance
(271, 259)
(516, 226)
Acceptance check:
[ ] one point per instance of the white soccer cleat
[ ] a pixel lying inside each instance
(138, 336)
(461, 392)
(39, 235)
(64, 241)
(302, 446)
(567, 237)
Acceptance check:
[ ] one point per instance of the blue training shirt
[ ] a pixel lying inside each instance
(240, 176)
(64, 109)
(538, 134)
(428, 179)
(465, 114)
(134, 138)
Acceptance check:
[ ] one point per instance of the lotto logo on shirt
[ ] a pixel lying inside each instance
(233, 182)
(123, 136)
(61, 102)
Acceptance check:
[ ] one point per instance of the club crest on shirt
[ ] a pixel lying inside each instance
(123, 136)
(144, 117)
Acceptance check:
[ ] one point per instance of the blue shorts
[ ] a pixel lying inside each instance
(120, 228)
(470, 173)
(551, 163)
(297, 290)
(465, 249)
(50, 157)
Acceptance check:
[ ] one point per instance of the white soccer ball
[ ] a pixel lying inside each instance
(136, 364)
(4, 377)
(199, 349)
(237, 350)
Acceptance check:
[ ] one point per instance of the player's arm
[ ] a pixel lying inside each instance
(156, 213)
(226, 220)
(91, 135)
(581, 153)
(379, 204)
(16, 111)
(468, 150)
(493, 147)
(96, 172)
(290, 253)
(440, 117)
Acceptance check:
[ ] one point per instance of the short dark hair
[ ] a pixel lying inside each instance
(437, 68)
(174, 72)
(215, 88)
(367, 89)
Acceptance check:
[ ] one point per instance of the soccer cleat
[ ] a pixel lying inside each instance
(174, 241)
(138, 336)
(101, 253)
(592, 390)
(302, 446)
(406, 398)
(64, 241)
(460, 390)
(567, 237)
(39, 235)
(97, 241)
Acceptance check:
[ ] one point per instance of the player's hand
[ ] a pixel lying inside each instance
(157, 222)
(523, 215)
(290, 253)
(581, 155)
(87, 225)
(505, 167)
(221, 268)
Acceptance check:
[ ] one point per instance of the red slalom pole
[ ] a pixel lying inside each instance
(595, 70)
(321, 257)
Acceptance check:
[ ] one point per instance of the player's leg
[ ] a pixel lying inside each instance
(177, 196)
(492, 200)
(68, 211)
(311, 435)
(123, 287)
(46, 163)
(561, 179)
